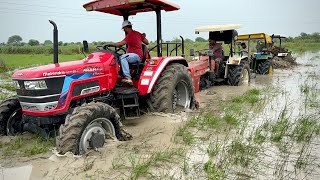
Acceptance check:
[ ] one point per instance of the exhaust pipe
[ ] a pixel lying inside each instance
(55, 42)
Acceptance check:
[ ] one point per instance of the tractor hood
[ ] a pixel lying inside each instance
(94, 63)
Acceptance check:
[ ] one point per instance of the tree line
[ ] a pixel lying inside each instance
(17, 40)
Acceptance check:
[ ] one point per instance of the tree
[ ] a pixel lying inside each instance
(15, 40)
(60, 43)
(304, 35)
(33, 42)
(188, 40)
(200, 39)
(47, 42)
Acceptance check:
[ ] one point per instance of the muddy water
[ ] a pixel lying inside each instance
(287, 96)
(155, 132)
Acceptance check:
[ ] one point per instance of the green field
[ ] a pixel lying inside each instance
(26, 56)
(14, 61)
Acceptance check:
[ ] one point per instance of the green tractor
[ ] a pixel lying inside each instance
(261, 59)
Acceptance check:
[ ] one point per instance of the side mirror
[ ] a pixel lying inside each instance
(85, 46)
(191, 52)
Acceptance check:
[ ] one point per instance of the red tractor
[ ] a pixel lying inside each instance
(80, 99)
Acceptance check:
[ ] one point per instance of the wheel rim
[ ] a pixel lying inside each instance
(270, 70)
(100, 127)
(181, 96)
(245, 76)
(14, 123)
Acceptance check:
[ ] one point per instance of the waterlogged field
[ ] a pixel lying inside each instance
(267, 130)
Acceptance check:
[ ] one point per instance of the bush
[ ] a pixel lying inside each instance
(3, 66)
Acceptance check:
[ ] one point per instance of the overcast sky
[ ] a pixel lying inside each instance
(29, 19)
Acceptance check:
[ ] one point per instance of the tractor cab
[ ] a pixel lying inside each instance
(261, 57)
(221, 66)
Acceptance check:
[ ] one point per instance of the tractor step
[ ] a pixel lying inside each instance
(130, 102)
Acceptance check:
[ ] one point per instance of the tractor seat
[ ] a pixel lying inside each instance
(136, 68)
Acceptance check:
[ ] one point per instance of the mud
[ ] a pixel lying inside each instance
(156, 132)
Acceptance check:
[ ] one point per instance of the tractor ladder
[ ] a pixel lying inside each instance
(129, 99)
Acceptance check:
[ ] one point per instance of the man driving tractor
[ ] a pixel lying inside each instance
(244, 51)
(134, 54)
(217, 52)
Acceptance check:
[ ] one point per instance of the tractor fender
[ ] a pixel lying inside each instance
(151, 73)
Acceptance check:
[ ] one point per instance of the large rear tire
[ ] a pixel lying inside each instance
(173, 90)
(239, 74)
(10, 116)
(87, 127)
(264, 67)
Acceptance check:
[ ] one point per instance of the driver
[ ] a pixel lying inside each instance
(217, 52)
(244, 51)
(133, 40)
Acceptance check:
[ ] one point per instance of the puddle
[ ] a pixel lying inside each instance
(291, 97)
(21, 173)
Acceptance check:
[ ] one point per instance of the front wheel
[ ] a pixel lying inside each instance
(265, 67)
(88, 127)
(239, 74)
(173, 90)
(10, 117)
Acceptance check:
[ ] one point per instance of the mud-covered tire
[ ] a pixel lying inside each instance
(7, 109)
(236, 74)
(162, 96)
(263, 67)
(76, 122)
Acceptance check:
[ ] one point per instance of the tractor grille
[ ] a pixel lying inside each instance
(39, 106)
(40, 100)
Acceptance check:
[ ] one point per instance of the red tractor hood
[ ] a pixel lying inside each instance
(94, 63)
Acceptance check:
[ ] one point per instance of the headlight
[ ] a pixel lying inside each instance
(35, 85)
(16, 84)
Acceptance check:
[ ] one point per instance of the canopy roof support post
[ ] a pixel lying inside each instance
(159, 34)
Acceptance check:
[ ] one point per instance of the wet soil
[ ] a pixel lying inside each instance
(156, 132)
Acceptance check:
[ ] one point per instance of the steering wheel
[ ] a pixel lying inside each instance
(109, 46)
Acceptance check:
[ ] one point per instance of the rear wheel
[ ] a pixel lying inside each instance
(265, 67)
(10, 117)
(239, 74)
(87, 127)
(173, 90)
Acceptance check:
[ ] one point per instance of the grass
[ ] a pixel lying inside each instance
(3, 66)
(4, 96)
(305, 129)
(141, 166)
(250, 97)
(35, 146)
(13, 61)
(311, 93)
(213, 171)
(8, 86)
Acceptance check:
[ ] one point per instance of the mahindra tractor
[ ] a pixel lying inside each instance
(233, 69)
(81, 102)
(261, 60)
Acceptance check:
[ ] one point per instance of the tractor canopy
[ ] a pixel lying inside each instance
(129, 7)
(225, 33)
(245, 37)
(273, 36)
(213, 28)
